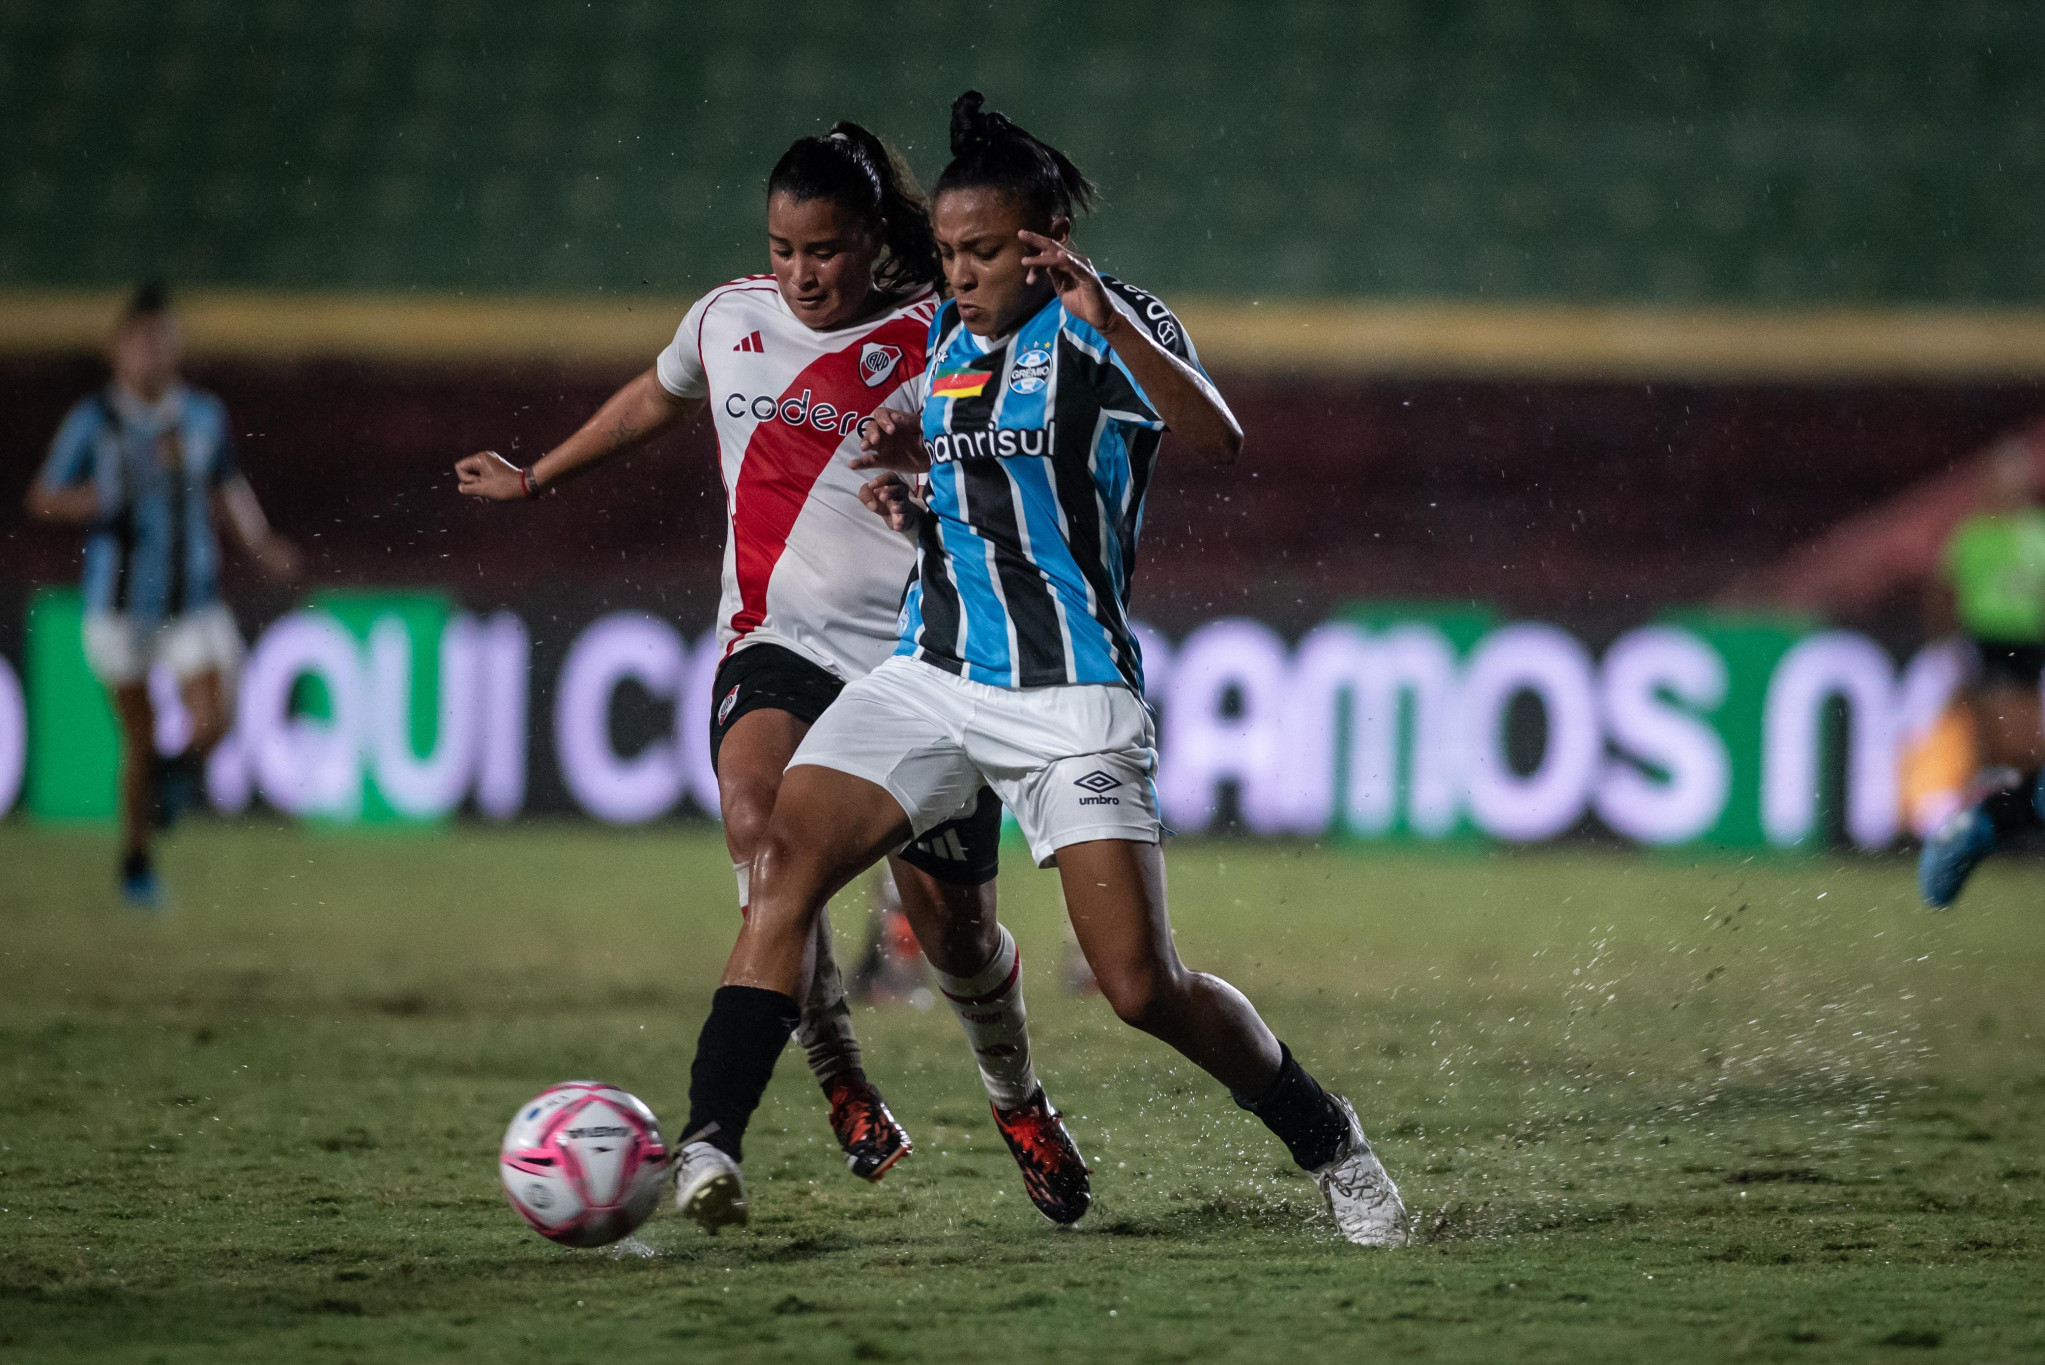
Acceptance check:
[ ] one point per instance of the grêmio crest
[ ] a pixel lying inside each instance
(1031, 371)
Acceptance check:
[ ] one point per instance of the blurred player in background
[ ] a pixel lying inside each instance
(1047, 391)
(1991, 587)
(891, 969)
(791, 365)
(147, 465)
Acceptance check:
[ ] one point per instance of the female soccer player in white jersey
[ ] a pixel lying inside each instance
(791, 366)
(1048, 389)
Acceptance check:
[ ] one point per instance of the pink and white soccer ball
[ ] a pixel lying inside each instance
(583, 1163)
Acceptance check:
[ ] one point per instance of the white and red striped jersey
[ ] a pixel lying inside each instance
(806, 566)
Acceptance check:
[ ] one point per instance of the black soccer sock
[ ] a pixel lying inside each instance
(1300, 1113)
(735, 1056)
(2016, 808)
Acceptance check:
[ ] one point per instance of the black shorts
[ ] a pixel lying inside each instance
(2010, 665)
(965, 851)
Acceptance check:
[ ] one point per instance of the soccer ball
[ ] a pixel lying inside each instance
(583, 1163)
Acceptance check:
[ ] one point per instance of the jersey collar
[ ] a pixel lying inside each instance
(868, 323)
(144, 416)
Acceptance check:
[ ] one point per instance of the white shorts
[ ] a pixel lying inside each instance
(121, 650)
(1074, 763)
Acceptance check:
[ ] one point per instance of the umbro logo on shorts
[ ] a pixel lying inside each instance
(724, 707)
(1100, 784)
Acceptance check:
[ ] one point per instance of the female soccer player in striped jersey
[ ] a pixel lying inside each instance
(791, 366)
(148, 465)
(1049, 387)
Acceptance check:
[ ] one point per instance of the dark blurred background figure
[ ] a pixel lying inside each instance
(1990, 589)
(145, 466)
(891, 969)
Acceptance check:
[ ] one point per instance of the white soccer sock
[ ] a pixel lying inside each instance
(989, 1005)
(825, 1029)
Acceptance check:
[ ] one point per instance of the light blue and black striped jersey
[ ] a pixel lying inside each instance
(152, 552)
(1041, 447)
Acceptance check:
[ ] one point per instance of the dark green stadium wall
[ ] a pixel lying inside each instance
(1785, 154)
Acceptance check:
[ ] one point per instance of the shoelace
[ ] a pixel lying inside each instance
(1364, 1187)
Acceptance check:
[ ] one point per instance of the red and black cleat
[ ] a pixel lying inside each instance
(872, 1140)
(1054, 1173)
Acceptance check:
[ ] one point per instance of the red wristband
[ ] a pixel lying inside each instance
(526, 484)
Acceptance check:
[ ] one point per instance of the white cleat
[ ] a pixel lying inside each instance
(1360, 1195)
(709, 1188)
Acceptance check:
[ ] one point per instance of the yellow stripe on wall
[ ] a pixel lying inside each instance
(1569, 342)
(1526, 341)
(431, 328)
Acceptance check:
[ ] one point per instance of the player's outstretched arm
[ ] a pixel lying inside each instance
(629, 418)
(273, 554)
(64, 492)
(77, 505)
(1192, 408)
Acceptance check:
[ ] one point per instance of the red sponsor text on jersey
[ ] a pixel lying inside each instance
(785, 457)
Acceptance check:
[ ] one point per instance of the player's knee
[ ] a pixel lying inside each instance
(747, 811)
(783, 910)
(784, 865)
(1143, 995)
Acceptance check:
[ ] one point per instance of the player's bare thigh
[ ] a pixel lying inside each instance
(827, 827)
(137, 716)
(205, 698)
(1115, 897)
(953, 923)
(751, 760)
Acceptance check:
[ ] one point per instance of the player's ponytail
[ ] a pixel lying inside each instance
(852, 167)
(989, 149)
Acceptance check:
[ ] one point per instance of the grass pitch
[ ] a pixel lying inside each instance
(1645, 1108)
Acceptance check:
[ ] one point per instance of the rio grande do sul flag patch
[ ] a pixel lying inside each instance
(959, 383)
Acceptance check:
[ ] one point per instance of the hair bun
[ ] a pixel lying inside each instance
(150, 297)
(989, 148)
(968, 124)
